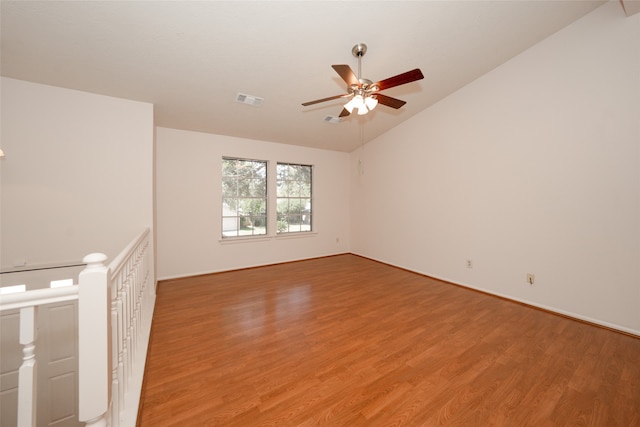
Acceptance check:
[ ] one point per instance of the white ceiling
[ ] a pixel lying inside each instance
(191, 59)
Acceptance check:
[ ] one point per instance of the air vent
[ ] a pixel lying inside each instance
(249, 99)
(332, 119)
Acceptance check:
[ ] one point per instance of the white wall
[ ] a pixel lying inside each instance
(189, 197)
(535, 167)
(77, 176)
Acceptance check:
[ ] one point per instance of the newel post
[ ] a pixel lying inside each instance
(94, 342)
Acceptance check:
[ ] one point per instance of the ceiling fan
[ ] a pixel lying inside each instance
(365, 94)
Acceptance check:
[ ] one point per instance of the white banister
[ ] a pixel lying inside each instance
(115, 309)
(38, 297)
(94, 356)
(133, 297)
(27, 390)
(121, 296)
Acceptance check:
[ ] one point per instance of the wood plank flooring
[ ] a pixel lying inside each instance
(346, 341)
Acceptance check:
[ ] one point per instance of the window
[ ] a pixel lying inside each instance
(293, 198)
(244, 197)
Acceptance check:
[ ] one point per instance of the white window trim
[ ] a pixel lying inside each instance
(230, 239)
(272, 214)
(275, 201)
(263, 238)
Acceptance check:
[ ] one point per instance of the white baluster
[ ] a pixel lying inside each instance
(27, 372)
(115, 385)
(121, 348)
(125, 337)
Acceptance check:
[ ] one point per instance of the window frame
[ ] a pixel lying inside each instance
(299, 197)
(238, 217)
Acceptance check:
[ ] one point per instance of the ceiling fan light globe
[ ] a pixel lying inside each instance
(362, 110)
(349, 106)
(370, 102)
(356, 102)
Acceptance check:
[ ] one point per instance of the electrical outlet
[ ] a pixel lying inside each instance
(530, 278)
(469, 264)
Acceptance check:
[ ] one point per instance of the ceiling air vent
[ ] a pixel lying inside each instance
(332, 119)
(249, 99)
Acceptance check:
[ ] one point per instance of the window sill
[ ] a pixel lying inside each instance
(296, 235)
(232, 240)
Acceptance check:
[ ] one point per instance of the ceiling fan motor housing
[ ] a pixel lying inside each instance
(365, 88)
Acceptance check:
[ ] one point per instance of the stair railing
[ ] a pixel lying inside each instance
(115, 308)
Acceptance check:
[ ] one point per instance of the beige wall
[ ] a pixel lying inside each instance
(78, 173)
(189, 204)
(533, 168)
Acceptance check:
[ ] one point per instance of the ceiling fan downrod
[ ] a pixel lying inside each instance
(365, 86)
(358, 51)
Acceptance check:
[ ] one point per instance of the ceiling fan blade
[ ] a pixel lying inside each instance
(400, 79)
(317, 101)
(347, 74)
(389, 101)
(344, 113)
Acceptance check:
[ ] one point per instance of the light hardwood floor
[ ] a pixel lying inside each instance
(346, 341)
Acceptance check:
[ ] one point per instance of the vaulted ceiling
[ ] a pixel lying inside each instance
(191, 59)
